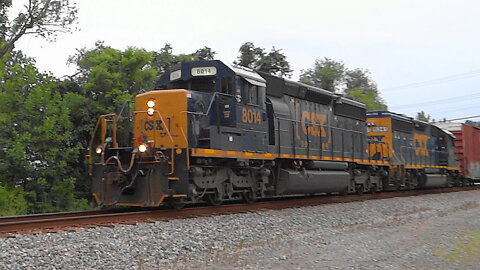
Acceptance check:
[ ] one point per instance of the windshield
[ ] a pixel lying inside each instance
(224, 85)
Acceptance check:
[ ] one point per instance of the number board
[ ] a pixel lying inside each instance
(377, 129)
(204, 71)
(175, 75)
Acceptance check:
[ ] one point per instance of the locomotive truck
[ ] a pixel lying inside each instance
(211, 132)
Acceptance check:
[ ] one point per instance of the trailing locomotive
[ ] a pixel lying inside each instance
(213, 132)
(419, 154)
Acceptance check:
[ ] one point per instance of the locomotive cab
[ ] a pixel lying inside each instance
(226, 105)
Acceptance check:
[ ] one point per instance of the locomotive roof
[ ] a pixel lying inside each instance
(397, 116)
(449, 125)
(183, 71)
(275, 86)
(444, 130)
(417, 124)
(247, 74)
(390, 114)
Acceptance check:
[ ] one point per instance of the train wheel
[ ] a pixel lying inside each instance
(214, 199)
(249, 196)
(408, 184)
(373, 189)
(344, 191)
(359, 189)
(397, 185)
(177, 203)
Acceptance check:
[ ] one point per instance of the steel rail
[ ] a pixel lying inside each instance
(25, 224)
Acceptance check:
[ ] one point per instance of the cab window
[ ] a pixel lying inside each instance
(252, 94)
(227, 85)
(202, 84)
(249, 92)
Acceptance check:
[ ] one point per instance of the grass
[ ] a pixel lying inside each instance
(466, 249)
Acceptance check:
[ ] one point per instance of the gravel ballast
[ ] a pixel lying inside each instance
(439, 231)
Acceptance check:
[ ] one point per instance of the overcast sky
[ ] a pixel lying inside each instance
(423, 54)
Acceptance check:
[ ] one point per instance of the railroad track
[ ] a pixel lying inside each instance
(59, 221)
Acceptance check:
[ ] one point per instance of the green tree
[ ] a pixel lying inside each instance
(423, 116)
(249, 55)
(360, 87)
(369, 97)
(111, 77)
(327, 74)
(83, 114)
(204, 53)
(273, 62)
(44, 18)
(164, 59)
(4, 6)
(358, 79)
(334, 76)
(37, 149)
(12, 201)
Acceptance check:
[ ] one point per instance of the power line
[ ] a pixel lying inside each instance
(463, 118)
(439, 101)
(435, 81)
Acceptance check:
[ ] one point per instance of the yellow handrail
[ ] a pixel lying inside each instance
(102, 124)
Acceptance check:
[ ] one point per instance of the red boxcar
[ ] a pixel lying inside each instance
(467, 148)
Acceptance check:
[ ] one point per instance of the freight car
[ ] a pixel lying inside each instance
(213, 132)
(467, 149)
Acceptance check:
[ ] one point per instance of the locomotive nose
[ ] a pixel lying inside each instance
(156, 167)
(145, 185)
(161, 119)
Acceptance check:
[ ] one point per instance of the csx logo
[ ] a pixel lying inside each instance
(251, 116)
(151, 124)
(311, 124)
(421, 141)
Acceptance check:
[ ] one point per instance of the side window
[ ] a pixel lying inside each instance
(227, 85)
(252, 94)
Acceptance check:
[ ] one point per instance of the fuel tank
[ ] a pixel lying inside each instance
(310, 181)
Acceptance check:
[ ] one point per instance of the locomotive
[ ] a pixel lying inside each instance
(211, 132)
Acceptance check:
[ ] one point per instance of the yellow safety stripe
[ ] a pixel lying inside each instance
(429, 166)
(199, 152)
(127, 204)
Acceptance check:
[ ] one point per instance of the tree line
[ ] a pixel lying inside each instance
(46, 122)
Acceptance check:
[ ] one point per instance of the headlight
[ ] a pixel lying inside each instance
(150, 111)
(99, 150)
(142, 148)
(151, 103)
